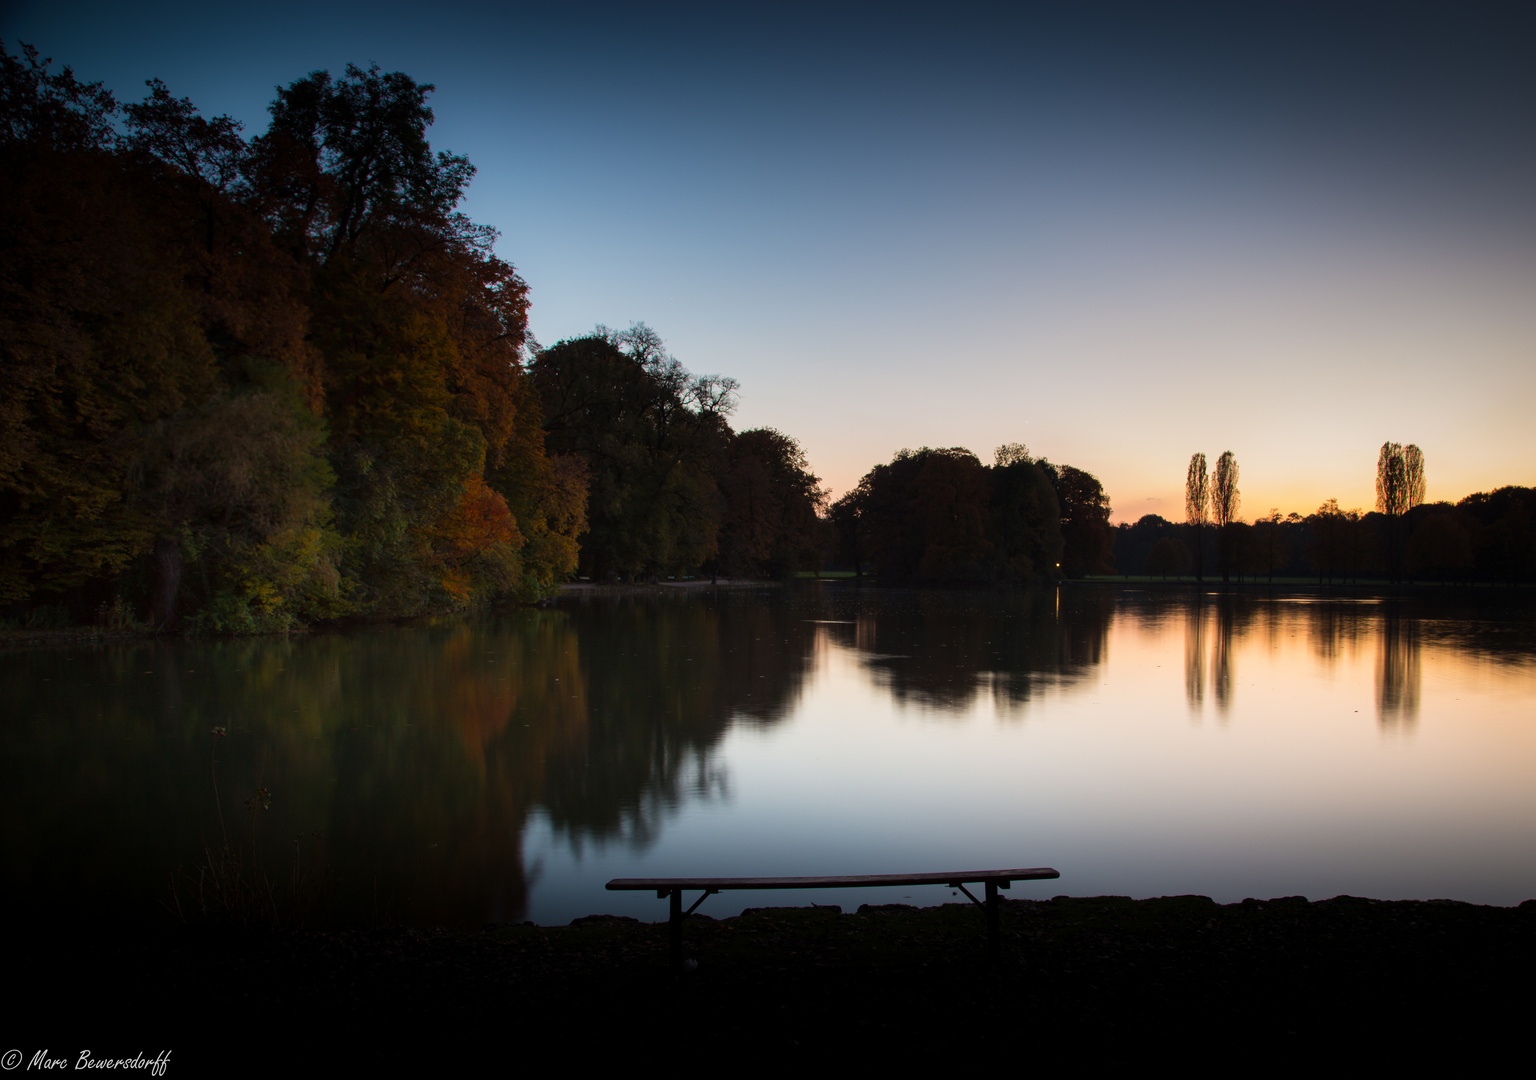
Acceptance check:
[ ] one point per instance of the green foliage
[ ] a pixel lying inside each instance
(242, 485)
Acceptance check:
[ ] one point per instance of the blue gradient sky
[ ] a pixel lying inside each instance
(1118, 233)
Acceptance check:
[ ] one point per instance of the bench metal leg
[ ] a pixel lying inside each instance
(675, 917)
(675, 929)
(994, 911)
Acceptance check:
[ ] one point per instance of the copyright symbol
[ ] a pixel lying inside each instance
(10, 1060)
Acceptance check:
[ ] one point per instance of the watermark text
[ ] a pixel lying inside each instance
(45, 1061)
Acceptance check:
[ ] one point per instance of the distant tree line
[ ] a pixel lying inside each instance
(937, 515)
(1485, 537)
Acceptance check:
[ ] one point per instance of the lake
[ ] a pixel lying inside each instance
(502, 767)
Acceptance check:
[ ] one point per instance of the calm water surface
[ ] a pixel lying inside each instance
(503, 768)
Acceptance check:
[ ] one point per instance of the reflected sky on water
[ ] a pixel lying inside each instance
(504, 767)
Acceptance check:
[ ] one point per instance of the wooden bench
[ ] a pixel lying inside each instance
(674, 887)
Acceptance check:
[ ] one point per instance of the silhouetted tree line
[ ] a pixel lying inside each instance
(941, 515)
(251, 383)
(1486, 537)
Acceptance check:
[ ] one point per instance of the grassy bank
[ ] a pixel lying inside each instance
(1082, 983)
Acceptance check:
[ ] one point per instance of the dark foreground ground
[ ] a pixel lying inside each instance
(1083, 984)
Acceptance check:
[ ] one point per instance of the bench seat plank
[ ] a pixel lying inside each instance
(1034, 873)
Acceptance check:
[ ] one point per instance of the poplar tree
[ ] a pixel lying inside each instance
(1399, 488)
(1224, 502)
(1197, 507)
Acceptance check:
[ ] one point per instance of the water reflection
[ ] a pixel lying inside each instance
(1194, 655)
(1337, 627)
(421, 754)
(1221, 654)
(1397, 670)
(1212, 625)
(417, 754)
(1217, 628)
(663, 681)
(942, 650)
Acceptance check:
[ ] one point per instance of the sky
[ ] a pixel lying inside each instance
(1118, 233)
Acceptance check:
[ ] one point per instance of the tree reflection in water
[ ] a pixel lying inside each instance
(1194, 655)
(665, 678)
(941, 650)
(416, 753)
(1209, 651)
(1397, 670)
(1227, 614)
(420, 754)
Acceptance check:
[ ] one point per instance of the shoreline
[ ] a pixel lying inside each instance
(588, 588)
(21, 638)
(1081, 980)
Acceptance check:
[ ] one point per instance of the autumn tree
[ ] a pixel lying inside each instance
(267, 381)
(106, 333)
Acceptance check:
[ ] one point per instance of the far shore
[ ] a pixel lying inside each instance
(23, 637)
(687, 583)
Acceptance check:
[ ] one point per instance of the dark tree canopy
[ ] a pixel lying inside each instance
(1087, 543)
(651, 436)
(770, 523)
(1026, 517)
(940, 515)
(257, 383)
